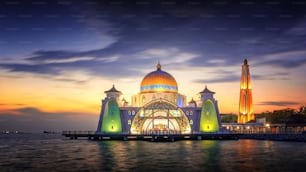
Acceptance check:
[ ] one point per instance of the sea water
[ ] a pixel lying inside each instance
(53, 152)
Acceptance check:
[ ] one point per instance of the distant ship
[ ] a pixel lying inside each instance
(49, 132)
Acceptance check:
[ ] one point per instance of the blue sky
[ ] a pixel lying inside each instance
(95, 32)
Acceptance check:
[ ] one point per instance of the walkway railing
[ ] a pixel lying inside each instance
(174, 132)
(145, 133)
(79, 132)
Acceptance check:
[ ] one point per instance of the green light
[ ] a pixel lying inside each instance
(209, 120)
(111, 118)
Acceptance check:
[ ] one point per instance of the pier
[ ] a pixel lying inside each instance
(91, 135)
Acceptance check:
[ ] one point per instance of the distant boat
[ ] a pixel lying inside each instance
(49, 132)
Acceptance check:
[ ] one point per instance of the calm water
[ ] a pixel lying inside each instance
(43, 152)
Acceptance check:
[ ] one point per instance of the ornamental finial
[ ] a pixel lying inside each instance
(158, 66)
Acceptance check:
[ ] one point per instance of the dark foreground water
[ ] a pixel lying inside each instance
(43, 152)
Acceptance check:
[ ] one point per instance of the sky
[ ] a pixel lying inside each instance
(58, 57)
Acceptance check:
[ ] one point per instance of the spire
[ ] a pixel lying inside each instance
(158, 66)
(245, 62)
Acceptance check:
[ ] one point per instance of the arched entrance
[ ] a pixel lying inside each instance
(160, 117)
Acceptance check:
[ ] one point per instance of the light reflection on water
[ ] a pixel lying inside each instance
(55, 153)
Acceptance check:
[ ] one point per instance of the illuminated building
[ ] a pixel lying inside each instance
(245, 101)
(158, 109)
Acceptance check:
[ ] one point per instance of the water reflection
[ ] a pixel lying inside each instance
(36, 153)
(115, 155)
(254, 155)
(211, 152)
(149, 156)
(206, 155)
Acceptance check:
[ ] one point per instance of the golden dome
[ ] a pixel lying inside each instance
(158, 81)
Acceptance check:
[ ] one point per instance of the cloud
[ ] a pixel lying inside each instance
(149, 53)
(278, 103)
(286, 59)
(31, 68)
(13, 104)
(183, 27)
(205, 35)
(42, 56)
(32, 119)
(273, 76)
(299, 29)
(222, 76)
(169, 56)
(76, 81)
(220, 79)
(285, 63)
(54, 63)
(69, 60)
(109, 59)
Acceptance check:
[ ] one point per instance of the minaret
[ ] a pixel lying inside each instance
(210, 118)
(245, 102)
(110, 119)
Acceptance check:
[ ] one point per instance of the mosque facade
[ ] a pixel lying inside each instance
(158, 108)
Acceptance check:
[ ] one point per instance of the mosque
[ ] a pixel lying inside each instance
(158, 109)
(160, 112)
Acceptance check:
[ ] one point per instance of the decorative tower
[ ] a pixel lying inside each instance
(245, 102)
(210, 119)
(110, 118)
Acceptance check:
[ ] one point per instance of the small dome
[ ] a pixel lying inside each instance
(158, 81)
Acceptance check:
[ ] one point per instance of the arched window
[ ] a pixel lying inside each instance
(143, 100)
